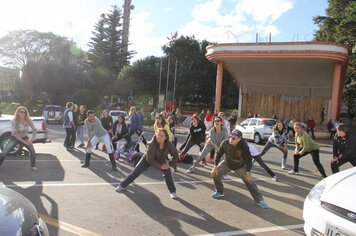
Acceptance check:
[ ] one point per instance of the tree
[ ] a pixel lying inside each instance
(49, 63)
(106, 52)
(196, 78)
(339, 26)
(21, 47)
(142, 77)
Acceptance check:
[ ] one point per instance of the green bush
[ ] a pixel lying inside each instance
(8, 108)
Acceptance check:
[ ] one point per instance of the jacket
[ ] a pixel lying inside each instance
(156, 157)
(236, 157)
(304, 143)
(344, 148)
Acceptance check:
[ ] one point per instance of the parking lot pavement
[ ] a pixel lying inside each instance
(81, 201)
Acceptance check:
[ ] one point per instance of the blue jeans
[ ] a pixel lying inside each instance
(223, 169)
(12, 143)
(140, 168)
(80, 133)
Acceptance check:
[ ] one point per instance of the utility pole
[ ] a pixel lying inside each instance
(174, 86)
(169, 62)
(159, 84)
(126, 25)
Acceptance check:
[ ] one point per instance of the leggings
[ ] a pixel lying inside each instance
(316, 160)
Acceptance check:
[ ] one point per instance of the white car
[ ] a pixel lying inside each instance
(330, 207)
(18, 216)
(256, 129)
(116, 113)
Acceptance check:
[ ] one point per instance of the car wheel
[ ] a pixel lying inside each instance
(257, 138)
(4, 140)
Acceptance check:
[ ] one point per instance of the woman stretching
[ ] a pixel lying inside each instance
(304, 146)
(157, 154)
(278, 139)
(19, 135)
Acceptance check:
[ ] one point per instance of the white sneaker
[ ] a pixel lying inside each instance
(284, 167)
(224, 177)
(292, 172)
(34, 168)
(119, 188)
(191, 169)
(274, 178)
(173, 195)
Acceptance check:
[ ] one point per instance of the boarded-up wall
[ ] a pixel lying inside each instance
(284, 107)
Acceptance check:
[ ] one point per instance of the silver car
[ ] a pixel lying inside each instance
(18, 216)
(53, 113)
(256, 129)
(116, 113)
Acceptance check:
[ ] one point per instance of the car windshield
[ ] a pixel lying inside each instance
(117, 113)
(271, 122)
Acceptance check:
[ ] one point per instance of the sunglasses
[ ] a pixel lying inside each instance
(216, 121)
(233, 138)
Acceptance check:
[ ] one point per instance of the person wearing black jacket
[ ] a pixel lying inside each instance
(238, 159)
(119, 130)
(344, 148)
(196, 136)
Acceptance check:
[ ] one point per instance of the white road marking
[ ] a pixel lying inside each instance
(256, 231)
(51, 184)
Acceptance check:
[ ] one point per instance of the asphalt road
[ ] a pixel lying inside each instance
(80, 201)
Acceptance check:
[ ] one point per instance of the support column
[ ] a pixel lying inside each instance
(219, 79)
(335, 91)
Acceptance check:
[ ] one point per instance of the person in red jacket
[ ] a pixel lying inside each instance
(311, 126)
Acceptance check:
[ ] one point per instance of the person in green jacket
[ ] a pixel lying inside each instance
(304, 146)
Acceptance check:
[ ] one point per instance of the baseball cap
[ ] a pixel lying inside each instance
(237, 133)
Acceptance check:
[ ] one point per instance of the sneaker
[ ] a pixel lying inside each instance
(263, 204)
(84, 166)
(210, 160)
(173, 195)
(274, 178)
(203, 162)
(175, 169)
(224, 177)
(81, 145)
(284, 167)
(292, 172)
(119, 188)
(34, 168)
(217, 194)
(191, 169)
(114, 168)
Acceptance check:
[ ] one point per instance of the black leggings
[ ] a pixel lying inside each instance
(316, 160)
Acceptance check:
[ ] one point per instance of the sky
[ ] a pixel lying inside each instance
(152, 21)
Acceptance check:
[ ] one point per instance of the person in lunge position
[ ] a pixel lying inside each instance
(344, 148)
(238, 159)
(19, 135)
(305, 145)
(279, 140)
(96, 133)
(216, 135)
(157, 156)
